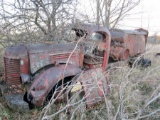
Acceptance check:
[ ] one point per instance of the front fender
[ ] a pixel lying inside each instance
(43, 84)
(94, 83)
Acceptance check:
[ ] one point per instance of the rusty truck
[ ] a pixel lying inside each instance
(32, 73)
(127, 45)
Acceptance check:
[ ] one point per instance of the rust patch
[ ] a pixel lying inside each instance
(43, 84)
(133, 41)
(95, 85)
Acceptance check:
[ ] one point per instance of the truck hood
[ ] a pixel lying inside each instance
(56, 48)
(42, 55)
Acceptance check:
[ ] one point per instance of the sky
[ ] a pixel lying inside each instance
(147, 16)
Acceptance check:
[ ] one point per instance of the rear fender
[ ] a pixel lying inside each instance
(43, 84)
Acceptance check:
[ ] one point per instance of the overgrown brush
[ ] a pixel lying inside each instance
(134, 95)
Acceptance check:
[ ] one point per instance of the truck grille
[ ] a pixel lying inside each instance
(12, 71)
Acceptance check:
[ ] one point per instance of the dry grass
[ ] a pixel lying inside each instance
(134, 95)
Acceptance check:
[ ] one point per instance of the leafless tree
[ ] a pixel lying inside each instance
(111, 12)
(42, 17)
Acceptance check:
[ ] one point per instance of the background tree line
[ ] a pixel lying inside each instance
(43, 20)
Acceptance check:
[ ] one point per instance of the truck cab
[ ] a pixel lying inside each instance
(96, 45)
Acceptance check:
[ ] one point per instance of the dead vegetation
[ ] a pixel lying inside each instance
(134, 92)
(134, 95)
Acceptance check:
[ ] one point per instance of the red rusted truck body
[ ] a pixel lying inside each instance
(23, 60)
(47, 66)
(94, 80)
(127, 43)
